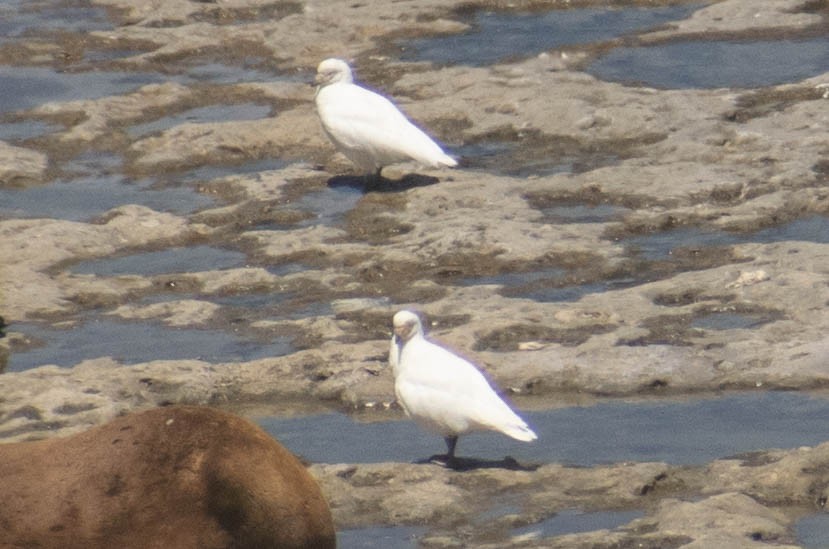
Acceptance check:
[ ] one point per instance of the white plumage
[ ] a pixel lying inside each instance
(366, 127)
(444, 393)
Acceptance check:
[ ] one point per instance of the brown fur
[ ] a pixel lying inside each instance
(176, 477)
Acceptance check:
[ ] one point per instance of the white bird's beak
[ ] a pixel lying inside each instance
(322, 78)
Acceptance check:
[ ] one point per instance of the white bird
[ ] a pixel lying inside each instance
(366, 127)
(444, 393)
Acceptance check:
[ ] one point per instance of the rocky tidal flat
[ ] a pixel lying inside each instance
(637, 233)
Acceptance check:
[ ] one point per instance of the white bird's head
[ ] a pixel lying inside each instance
(332, 71)
(406, 325)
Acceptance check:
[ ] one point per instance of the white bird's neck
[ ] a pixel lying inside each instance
(410, 343)
(330, 87)
(402, 343)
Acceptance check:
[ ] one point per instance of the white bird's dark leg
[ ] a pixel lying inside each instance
(377, 177)
(374, 179)
(448, 459)
(451, 442)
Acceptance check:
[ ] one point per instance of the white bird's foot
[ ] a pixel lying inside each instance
(472, 464)
(445, 460)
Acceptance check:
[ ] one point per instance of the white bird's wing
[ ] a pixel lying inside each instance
(360, 119)
(442, 387)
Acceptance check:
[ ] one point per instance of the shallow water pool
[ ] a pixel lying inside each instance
(715, 63)
(812, 532)
(676, 432)
(173, 260)
(27, 87)
(85, 198)
(137, 342)
(499, 36)
(572, 521)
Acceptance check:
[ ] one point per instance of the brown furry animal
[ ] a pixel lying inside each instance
(173, 478)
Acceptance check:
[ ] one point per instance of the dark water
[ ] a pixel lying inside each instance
(656, 246)
(499, 36)
(136, 342)
(171, 260)
(274, 306)
(221, 73)
(380, 537)
(23, 88)
(573, 521)
(513, 279)
(86, 198)
(812, 532)
(547, 285)
(677, 432)
(283, 269)
(209, 172)
(729, 321)
(92, 194)
(569, 521)
(575, 212)
(200, 115)
(328, 206)
(715, 63)
(91, 184)
(551, 291)
(17, 131)
(550, 284)
(511, 158)
(21, 18)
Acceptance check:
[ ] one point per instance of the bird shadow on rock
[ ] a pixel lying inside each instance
(380, 184)
(473, 464)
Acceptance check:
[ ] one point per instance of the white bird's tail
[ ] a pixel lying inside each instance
(511, 424)
(446, 161)
(500, 417)
(519, 432)
(435, 157)
(425, 151)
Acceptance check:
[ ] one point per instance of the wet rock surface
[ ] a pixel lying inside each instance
(600, 240)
